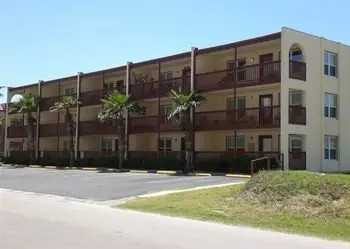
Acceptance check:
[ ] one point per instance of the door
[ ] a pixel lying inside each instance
(265, 143)
(266, 67)
(186, 77)
(266, 111)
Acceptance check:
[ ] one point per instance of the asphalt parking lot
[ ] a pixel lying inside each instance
(99, 186)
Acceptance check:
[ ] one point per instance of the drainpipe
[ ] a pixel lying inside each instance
(235, 101)
(127, 93)
(158, 116)
(193, 88)
(6, 122)
(77, 120)
(38, 122)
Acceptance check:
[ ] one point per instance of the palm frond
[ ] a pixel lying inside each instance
(64, 103)
(184, 102)
(116, 104)
(27, 103)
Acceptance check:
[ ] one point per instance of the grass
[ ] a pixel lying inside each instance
(295, 202)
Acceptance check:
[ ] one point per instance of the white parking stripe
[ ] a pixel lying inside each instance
(176, 180)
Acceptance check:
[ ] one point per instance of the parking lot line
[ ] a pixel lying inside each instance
(175, 180)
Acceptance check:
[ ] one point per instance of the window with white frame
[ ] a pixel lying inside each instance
(230, 143)
(165, 144)
(240, 103)
(164, 111)
(296, 143)
(330, 105)
(330, 147)
(69, 91)
(107, 145)
(166, 75)
(330, 64)
(296, 98)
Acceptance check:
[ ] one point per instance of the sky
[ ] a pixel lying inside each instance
(48, 39)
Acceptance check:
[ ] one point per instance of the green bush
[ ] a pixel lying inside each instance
(228, 164)
(155, 163)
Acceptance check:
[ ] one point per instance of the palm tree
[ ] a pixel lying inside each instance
(64, 106)
(26, 105)
(115, 106)
(185, 103)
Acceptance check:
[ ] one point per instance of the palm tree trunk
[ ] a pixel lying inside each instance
(189, 151)
(70, 130)
(30, 133)
(121, 144)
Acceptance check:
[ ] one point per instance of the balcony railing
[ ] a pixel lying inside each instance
(250, 75)
(94, 97)
(16, 131)
(297, 115)
(148, 124)
(159, 88)
(247, 118)
(95, 127)
(297, 70)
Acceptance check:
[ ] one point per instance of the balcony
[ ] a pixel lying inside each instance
(46, 103)
(54, 130)
(148, 124)
(250, 75)
(248, 118)
(95, 127)
(158, 88)
(16, 131)
(297, 115)
(297, 70)
(94, 97)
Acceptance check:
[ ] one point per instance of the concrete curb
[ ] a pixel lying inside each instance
(168, 172)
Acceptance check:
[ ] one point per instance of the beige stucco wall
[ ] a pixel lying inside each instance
(314, 88)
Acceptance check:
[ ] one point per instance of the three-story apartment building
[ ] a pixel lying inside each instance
(285, 94)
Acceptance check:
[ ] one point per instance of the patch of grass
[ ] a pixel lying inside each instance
(296, 202)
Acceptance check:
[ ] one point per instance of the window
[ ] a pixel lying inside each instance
(165, 110)
(330, 105)
(296, 143)
(108, 85)
(66, 145)
(69, 91)
(330, 147)
(15, 146)
(230, 143)
(330, 64)
(296, 55)
(107, 145)
(165, 144)
(295, 98)
(240, 103)
(166, 75)
(16, 122)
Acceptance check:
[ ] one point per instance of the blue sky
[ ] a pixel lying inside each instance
(42, 40)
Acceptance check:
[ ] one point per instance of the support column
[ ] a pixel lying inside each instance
(192, 89)
(158, 108)
(6, 145)
(58, 117)
(77, 136)
(102, 96)
(127, 93)
(37, 149)
(235, 101)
